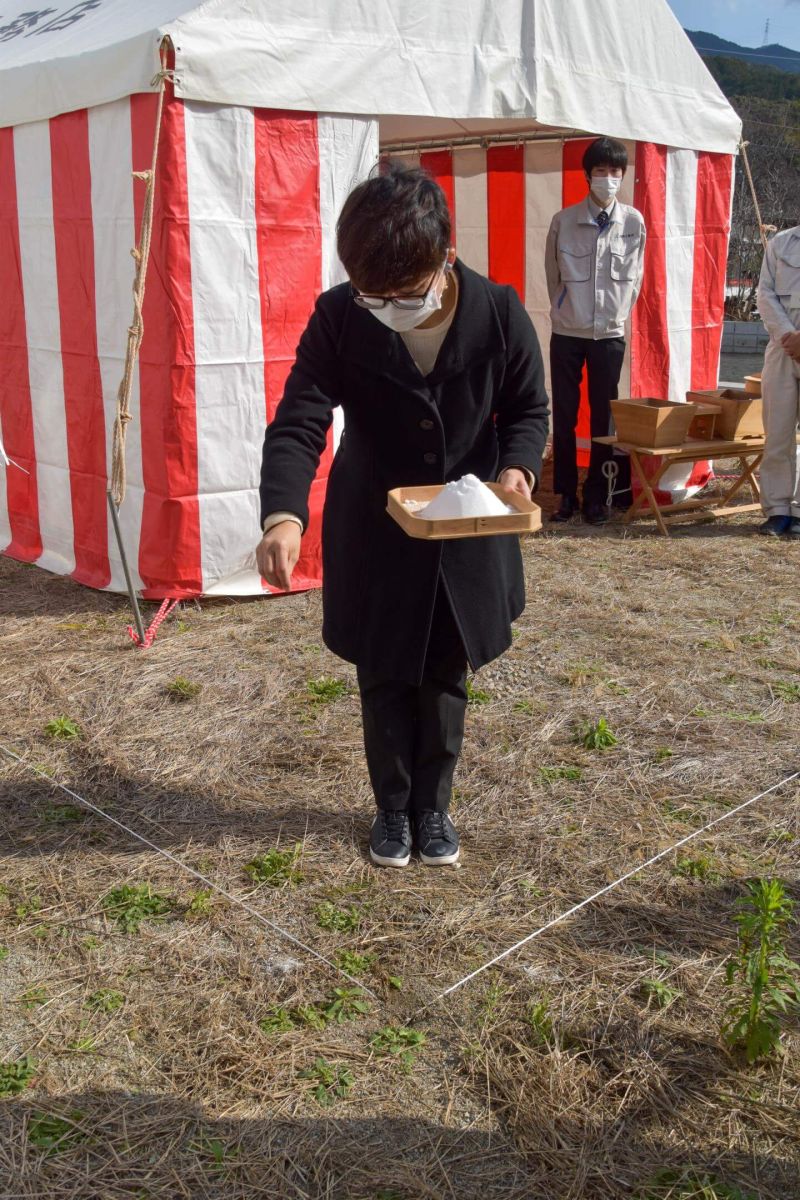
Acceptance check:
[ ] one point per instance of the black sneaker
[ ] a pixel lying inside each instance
(794, 528)
(436, 838)
(390, 838)
(776, 526)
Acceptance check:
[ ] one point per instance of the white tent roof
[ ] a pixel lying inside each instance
(625, 68)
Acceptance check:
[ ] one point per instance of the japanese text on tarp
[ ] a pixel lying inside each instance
(45, 20)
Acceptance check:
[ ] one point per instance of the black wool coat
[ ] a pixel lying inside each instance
(483, 408)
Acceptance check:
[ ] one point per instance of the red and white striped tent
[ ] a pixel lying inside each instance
(273, 111)
(503, 197)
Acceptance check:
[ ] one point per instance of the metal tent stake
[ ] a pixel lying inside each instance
(137, 616)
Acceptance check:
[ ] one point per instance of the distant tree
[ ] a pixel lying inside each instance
(738, 78)
(772, 131)
(768, 101)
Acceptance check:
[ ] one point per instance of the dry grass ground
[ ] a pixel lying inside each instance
(151, 1075)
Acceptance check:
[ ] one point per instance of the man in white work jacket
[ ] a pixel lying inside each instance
(779, 305)
(594, 263)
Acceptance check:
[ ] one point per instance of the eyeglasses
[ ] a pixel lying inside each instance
(404, 303)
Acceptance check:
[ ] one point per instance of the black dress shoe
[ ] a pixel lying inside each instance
(569, 506)
(595, 514)
(436, 838)
(390, 838)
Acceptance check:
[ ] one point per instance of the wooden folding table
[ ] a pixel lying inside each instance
(749, 452)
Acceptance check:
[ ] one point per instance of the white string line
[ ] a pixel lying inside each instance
(610, 887)
(315, 953)
(284, 933)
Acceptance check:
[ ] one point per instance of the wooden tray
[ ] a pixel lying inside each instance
(527, 518)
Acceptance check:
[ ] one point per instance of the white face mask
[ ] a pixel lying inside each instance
(402, 320)
(605, 187)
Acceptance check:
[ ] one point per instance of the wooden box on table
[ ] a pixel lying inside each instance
(741, 413)
(651, 422)
(703, 426)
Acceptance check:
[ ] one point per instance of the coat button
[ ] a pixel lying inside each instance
(429, 458)
(426, 424)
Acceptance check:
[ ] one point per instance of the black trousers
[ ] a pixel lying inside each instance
(603, 361)
(413, 735)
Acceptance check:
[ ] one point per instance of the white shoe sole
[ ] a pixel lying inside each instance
(442, 861)
(380, 861)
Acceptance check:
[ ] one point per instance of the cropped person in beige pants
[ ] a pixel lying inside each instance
(779, 305)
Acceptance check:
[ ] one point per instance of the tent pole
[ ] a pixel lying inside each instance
(137, 616)
(481, 141)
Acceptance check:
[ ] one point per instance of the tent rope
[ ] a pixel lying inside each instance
(145, 642)
(762, 228)
(141, 256)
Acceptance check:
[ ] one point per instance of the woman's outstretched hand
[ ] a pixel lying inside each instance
(277, 554)
(515, 481)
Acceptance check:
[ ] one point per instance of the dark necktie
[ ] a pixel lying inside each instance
(602, 218)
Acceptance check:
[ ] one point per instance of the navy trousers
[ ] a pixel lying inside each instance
(603, 361)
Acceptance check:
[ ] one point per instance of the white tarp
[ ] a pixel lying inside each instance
(625, 68)
(61, 55)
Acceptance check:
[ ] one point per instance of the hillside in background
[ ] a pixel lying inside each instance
(763, 86)
(776, 56)
(738, 78)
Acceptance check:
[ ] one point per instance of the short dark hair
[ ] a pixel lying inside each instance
(605, 152)
(394, 228)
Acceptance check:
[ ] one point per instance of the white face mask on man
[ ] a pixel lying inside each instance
(605, 187)
(403, 320)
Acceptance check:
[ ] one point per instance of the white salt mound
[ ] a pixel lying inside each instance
(465, 497)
